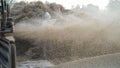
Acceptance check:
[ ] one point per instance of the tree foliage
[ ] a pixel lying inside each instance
(24, 11)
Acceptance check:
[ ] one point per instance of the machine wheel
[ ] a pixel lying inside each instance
(13, 56)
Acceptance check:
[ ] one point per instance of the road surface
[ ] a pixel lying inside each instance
(106, 61)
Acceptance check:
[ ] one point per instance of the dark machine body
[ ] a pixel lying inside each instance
(7, 42)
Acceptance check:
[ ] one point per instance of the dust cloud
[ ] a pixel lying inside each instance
(72, 36)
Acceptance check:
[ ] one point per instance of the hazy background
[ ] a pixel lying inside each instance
(69, 3)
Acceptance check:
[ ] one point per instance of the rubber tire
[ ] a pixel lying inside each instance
(13, 56)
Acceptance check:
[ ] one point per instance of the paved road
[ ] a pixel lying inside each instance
(107, 61)
(34, 64)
